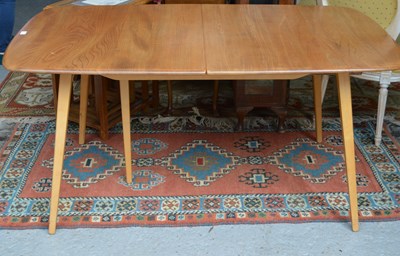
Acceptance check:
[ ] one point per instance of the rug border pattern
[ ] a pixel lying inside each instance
(158, 217)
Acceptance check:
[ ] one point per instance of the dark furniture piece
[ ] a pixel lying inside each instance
(104, 104)
(169, 83)
(250, 94)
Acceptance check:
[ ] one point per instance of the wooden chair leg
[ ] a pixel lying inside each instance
(317, 82)
(215, 98)
(132, 93)
(383, 93)
(145, 96)
(83, 104)
(170, 97)
(155, 93)
(100, 91)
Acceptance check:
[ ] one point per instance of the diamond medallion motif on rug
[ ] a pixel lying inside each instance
(201, 162)
(143, 180)
(147, 146)
(89, 163)
(310, 160)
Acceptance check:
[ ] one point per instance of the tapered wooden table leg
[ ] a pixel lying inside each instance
(126, 126)
(317, 80)
(346, 115)
(84, 95)
(64, 96)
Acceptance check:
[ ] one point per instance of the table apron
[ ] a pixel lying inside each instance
(247, 76)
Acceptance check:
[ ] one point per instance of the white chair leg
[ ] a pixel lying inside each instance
(383, 93)
(324, 84)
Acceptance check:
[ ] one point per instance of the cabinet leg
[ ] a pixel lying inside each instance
(155, 93)
(241, 112)
(281, 112)
(101, 105)
(84, 95)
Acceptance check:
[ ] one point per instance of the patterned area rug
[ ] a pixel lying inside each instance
(23, 94)
(193, 169)
(196, 178)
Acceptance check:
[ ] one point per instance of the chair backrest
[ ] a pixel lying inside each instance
(385, 12)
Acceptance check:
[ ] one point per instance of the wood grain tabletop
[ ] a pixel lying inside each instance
(109, 39)
(280, 39)
(201, 39)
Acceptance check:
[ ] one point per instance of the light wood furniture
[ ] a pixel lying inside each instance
(103, 111)
(169, 82)
(385, 78)
(210, 42)
(249, 95)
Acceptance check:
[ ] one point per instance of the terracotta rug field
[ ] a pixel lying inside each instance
(193, 169)
(194, 177)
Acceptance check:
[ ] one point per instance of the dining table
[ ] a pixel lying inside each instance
(201, 42)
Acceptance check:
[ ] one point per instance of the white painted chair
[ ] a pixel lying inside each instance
(387, 14)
